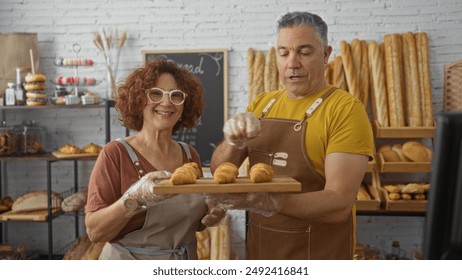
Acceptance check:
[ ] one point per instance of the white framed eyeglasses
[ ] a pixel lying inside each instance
(156, 95)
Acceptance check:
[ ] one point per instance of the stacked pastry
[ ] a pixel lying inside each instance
(35, 90)
(411, 191)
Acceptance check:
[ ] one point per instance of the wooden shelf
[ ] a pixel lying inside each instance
(370, 205)
(402, 167)
(402, 132)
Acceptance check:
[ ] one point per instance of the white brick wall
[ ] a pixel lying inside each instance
(233, 25)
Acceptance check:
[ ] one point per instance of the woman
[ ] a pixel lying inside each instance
(156, 100)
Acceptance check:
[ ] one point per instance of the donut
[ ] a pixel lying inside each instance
(34, 86)
(35, 78)
(36, 95)
(36, 102)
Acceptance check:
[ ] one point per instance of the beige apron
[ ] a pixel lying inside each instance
(168, 232)
(284, 237)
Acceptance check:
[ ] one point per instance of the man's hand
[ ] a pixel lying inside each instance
(240, 129)
(214, 215)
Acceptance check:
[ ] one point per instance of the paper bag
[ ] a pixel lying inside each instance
(15, 52)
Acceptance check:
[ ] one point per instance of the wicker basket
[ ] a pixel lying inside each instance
(453, 86)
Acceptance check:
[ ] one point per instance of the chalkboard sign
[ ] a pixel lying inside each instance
(211, 67)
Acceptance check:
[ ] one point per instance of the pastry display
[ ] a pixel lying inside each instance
(261, 172)
(35, 90)
(225, 173)
(70, 149)
(74, 61)
(410, 151)
(75, 81)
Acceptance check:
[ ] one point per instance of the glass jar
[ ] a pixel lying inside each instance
(7, 140)
(31, 138)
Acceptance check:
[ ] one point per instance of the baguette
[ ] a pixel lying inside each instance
(250, 61)
(338, 74)
(363, 194)
(394, 77)
(328, 68)
(423, 66)
(348, 67)
(93, 252)
(258, 72)
(78, 248)
(378, 88)
(364, 74)
(270, 71)
(220, 241)
(411, 98)
(357, 56)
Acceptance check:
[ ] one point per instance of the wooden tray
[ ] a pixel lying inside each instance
(402, 132)
(419, 206)
(402, 167)
(70, 156)
(242, 185)
(39, 215)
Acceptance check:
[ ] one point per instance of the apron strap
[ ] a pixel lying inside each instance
(136, 163)
(313, 107)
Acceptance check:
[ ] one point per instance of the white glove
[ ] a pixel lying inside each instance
(214, 215)
(141, 194)
(240, 129)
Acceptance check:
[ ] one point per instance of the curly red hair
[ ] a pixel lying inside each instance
(131, 97)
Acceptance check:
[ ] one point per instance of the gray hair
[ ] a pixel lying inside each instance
(305, 19)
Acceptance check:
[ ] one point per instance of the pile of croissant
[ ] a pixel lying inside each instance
(225, 173)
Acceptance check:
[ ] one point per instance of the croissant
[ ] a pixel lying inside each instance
(261, 172)
(195, 167)
(183, 175)
(225, 173)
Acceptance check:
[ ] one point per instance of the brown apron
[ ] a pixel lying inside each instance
(282, 145)
(169, 229)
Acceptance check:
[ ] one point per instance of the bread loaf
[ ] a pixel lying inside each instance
(349, 68)
(417, 152)
(36, 200)
(93, 252)
(364, 80)
(250, 61)
(423, 65)
(357, 56)
(220, 242)
(398, 148)
(203, 245)
(225, 173)
(271, 71)
(390, 156)
(363, 194)
(379, 103)
(394, 78)
(78, 248)
(258, 84)
(411, 98)
(338, 74)
(261, 172)
(75, 201)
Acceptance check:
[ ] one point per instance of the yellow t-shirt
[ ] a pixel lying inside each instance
(339, 124)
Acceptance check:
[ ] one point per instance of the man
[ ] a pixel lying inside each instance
(311, 131)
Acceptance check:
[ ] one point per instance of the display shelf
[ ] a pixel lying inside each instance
(402, 132)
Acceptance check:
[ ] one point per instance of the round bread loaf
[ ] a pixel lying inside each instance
(417, 152)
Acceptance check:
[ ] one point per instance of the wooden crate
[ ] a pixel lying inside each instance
(402, 132)
(374, 204)
(402, 167)
(453, 87)
(415, 206)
